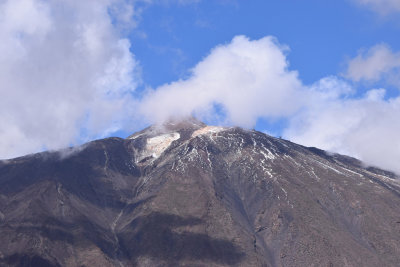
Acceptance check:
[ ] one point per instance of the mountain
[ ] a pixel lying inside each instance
(188, 194)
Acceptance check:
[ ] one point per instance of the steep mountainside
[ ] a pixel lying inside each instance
(187, 194)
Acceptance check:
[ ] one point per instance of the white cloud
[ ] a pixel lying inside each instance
(366, 128)
(381, 6)
(63, 64)
(247, 79)
(374, 64)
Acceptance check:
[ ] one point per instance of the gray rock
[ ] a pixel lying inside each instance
(189, 195)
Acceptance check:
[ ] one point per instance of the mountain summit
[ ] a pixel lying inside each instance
(188, 194)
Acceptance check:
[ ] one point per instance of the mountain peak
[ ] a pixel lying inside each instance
(184, 123)
(155, 139)
(187, 124)
(185, 193)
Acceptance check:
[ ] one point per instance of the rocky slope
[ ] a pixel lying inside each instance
(187, 194)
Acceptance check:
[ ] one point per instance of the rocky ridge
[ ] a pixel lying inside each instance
(188, 194)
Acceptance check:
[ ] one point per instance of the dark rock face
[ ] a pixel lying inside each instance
(186, 194)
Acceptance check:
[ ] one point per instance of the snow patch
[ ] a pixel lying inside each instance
(155, 146)
(135, 136)
(325, 166)
(207, 130)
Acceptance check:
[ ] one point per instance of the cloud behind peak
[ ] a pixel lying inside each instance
(245, 79)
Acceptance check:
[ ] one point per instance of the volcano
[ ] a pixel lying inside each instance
(188, 194)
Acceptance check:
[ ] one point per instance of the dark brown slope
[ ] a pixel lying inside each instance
(186, 194)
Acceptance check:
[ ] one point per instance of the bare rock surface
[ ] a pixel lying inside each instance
(188, 194)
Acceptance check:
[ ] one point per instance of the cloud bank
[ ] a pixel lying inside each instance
(63, 64)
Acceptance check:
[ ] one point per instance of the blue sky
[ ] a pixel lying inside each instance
(319, 73)
(322, 36)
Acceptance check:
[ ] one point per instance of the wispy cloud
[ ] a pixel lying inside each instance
(365, 127)
(377, 63)
(382, 7)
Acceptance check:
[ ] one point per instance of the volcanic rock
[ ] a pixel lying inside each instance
(188, 194)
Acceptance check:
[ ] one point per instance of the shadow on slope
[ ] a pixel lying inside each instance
(27, 260)
(157, 236)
